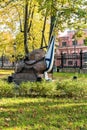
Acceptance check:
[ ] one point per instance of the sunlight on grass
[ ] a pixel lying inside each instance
(57, 113)
(42, 114)
(2, 71)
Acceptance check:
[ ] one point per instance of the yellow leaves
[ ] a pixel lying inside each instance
(12, 14)
(5, 42)
(5, 37)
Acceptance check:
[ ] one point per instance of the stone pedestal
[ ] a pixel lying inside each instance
(22, 77)
(30, 69)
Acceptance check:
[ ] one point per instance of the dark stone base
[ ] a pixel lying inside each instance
(29, 75)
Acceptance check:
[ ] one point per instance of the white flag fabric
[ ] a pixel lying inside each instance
(49, 57)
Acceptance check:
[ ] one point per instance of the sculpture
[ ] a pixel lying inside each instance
(33, 67)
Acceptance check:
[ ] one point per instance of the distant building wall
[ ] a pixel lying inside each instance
(67, 45)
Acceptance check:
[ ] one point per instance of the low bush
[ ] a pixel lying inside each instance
(72, 88)
(64, 88)
(6, 89)
(43, 89)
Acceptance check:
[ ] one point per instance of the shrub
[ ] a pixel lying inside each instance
(72, 88)
(43, 89)
(24, 88)
(6, 89)
(64, 88)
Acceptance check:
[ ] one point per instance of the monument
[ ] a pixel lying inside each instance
(34, 67)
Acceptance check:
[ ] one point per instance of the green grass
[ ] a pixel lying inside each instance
(4, 71)
(43, 114)
(63, 75)
(21, 113)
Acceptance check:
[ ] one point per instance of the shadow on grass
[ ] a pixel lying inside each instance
(43, 114)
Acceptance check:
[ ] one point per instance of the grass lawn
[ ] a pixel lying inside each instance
(42, 114)
(63, 75)
(4, 73)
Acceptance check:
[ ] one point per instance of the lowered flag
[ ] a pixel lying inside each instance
(49, 57)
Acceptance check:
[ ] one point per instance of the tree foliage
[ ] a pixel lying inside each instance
(5, 43)
(59, 13)
(68, 13)
(13, 16)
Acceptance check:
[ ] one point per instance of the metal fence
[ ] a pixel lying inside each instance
(5, 63)
(75, 60)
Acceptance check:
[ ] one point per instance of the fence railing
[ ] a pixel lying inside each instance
(75, 60)
(5, 63)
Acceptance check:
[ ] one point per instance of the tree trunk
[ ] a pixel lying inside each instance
(52, 20)
(44, 25)
(26, 29)
(32, 14)
(51, 26)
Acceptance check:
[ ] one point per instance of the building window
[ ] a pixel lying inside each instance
(74, 43)
(75, 55)
(63, 44)
(85, 56)
(64, 58)
(70, 63)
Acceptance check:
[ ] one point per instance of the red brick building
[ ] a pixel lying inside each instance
(67, 46)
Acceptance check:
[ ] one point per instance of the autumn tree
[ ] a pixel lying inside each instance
(61, 14)
(23, 14)
(66, 13)
(5, 39)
